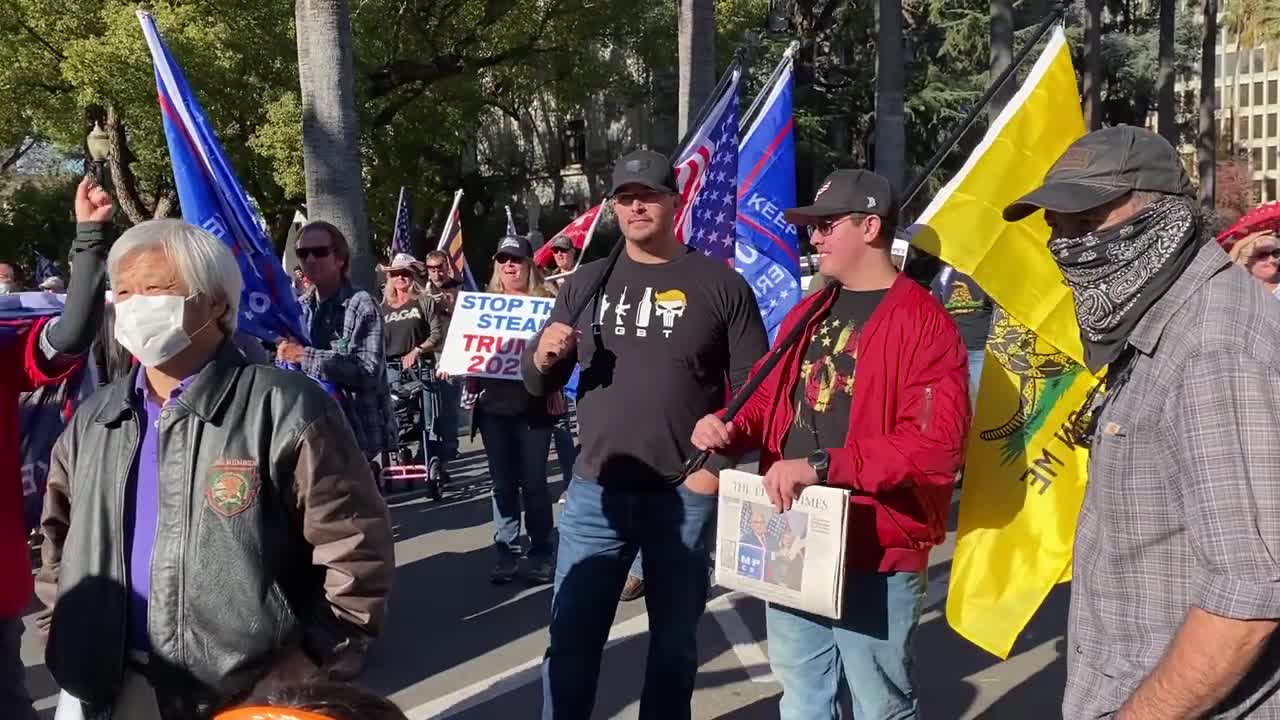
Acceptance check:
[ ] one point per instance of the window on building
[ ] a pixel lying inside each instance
(1243, 132)
(1271, 91)
(1259, 61)
(1257, 191)
(1255, 156)
(1229, 66)
(1270, 184)
(573, 146)
(1231, 97)
(1257, 126)
(1243, 94)
(1271, 126)
(1217, 98)
(1271, 158)
(1257, 93)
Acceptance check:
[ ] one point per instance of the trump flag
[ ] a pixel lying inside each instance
(767, 251)
(212, 199)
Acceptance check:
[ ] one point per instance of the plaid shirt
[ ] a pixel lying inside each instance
(351, 357)
(1183, 504)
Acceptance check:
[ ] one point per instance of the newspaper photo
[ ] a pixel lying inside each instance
(796, 558)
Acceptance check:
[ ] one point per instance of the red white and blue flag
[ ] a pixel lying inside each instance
(707, 177)
(400, 238)
(212, 198)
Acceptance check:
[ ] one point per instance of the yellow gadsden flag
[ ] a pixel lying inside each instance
(1024, 476)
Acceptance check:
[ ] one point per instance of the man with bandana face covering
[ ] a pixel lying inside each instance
(1176, 585)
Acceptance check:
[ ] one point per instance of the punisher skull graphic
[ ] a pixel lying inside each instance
(670, 305)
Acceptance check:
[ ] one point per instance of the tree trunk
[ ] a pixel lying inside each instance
(891, 120)
(697, 48)
(124, 185)
(1093, 64)
(1165, 99)
(1206, 139)
(330, 129)
(1001, 54)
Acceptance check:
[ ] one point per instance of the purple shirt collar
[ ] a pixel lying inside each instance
(144, 393)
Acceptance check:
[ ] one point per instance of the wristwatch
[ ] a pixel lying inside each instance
(819, 460)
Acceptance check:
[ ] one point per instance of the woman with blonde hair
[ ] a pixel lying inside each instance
(1259, 253)
(516, 428)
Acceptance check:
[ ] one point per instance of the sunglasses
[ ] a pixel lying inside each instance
(1263, 254)
(648, 197)
(824, 227)
(400, 273)
(315, 252)
(435, 267)
(504, 259)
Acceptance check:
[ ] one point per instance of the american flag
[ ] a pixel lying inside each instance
(400, 238)
(707, 177)
(45, 268)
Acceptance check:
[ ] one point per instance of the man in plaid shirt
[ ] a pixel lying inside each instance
(346, 353)
(1176, 586)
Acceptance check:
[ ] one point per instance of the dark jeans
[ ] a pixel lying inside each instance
(518, 467)
(15, 702)
(601, 530)
(444, 431)
(565, 449)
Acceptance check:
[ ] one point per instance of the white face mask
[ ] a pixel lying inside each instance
(150, 327)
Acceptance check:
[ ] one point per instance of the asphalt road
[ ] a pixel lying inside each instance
(458, 647)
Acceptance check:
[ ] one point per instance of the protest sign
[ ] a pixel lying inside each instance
(489, 332)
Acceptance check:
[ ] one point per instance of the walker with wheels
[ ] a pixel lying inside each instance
(414, 392)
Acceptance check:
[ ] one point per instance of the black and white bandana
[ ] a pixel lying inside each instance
(1118, 273)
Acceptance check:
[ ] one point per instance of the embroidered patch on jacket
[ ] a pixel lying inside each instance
(233, 486)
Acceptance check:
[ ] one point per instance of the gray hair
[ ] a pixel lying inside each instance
(202, 260)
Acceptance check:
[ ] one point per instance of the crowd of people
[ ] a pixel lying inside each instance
(216, 541)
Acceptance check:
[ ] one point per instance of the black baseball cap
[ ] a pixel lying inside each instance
(644, 167)
(849, 191)
(515, 246)
(1103, 166)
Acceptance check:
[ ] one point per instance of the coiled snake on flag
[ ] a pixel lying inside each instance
(1020, 351)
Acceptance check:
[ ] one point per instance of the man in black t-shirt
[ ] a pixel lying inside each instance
(660, 345)
(873, 399)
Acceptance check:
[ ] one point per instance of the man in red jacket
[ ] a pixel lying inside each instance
(41, 353)
(873, 398)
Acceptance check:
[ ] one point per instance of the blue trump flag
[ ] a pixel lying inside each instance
(767, 252)
(212, 199)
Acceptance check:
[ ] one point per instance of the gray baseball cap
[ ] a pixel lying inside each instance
(1102, 166)
(646, 168)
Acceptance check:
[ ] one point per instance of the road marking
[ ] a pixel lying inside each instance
(459, 701)
(745, 646)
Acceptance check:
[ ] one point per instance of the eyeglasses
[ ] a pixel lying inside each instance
(435, 267)
(560, 250)
(505, 259)
(1263, 254)
(648, 197)
(824, 227)
(316, 252)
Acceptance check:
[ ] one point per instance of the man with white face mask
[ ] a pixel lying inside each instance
(211, 527)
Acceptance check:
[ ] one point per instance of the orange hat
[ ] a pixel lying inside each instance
(263, 712)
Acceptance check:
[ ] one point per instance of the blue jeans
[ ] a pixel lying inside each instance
(601, 530)
(975, 375)
(518, 467)
(871, 644)
(562, 434)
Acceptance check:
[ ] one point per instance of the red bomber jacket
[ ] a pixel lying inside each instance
(910, 413)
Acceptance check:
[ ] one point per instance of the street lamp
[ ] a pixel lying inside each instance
(98, 143)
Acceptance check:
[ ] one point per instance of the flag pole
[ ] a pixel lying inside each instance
(453, 212)
(952, 140)
(788, 58)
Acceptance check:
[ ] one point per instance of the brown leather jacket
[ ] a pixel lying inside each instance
(271, 537)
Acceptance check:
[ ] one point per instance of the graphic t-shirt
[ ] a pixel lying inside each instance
(968, 305)
(659, 349)
(824, 394)
(404, 327)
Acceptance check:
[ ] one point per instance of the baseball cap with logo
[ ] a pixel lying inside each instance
(1102, 166)
(514, 246)
(560, 242)
(644, 167)
(849, 191)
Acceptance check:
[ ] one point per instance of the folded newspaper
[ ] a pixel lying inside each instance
(796, 558)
